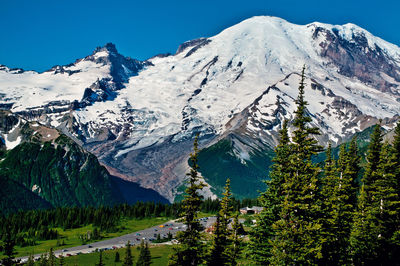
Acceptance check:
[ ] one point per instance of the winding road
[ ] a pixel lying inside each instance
(135, 238)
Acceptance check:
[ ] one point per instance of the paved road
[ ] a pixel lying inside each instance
(135, 238)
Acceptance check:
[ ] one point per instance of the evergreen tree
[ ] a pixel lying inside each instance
(365, 231)
(220, 247)
(396, 151)
(386, 205)
(226, 206)
(61, 262)
(396, 156)
(100, 263)
(8, 248)
(346, 197)
(363, 235)
(349, 174)
(128, 261)
(259, 248)
(297, 239)
(373, 158)
(235, 249)
(31, 261)
(339, 188)
(144, 258)
(218, 253)
(377, 214)
(43, 260)
(117, 258)
(190, 250)
(330, 207)
(52, 258)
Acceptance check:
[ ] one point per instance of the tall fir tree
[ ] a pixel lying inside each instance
(217, 254)
(350, 174)
(339, 190)
(346, 193)
(144, 258)
(226, 206)
(366, 231)
(190, 250)
(128, 260)
(117, 257)
(396, 156)
(259, 247)
(386, 204)
(373, 158)
(236, 241)
(297, 239)
(31, 260)
(61, 261)
(8, 248)
(396, 151)
(329, 204)
(100, 263)
(43, 260)
(51, 258)
(221, 242)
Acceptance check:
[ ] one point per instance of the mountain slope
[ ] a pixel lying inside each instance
(57, 171)
(60, 173)
(15, 197)
(139, 118)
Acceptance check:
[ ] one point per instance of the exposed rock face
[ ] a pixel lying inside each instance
(7, 121)
(356, 58)
(196, 44)
(262, 119)
(121, 67)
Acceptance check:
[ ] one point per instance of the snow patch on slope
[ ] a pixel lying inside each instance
(31, 89)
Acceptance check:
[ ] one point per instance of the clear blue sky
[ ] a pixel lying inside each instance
(38, 34)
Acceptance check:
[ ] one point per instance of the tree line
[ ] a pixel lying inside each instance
(28, 227)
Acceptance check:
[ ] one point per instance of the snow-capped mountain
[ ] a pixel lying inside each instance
(139, 117)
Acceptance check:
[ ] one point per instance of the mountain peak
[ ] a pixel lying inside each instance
(265, 19)
(108, 47)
